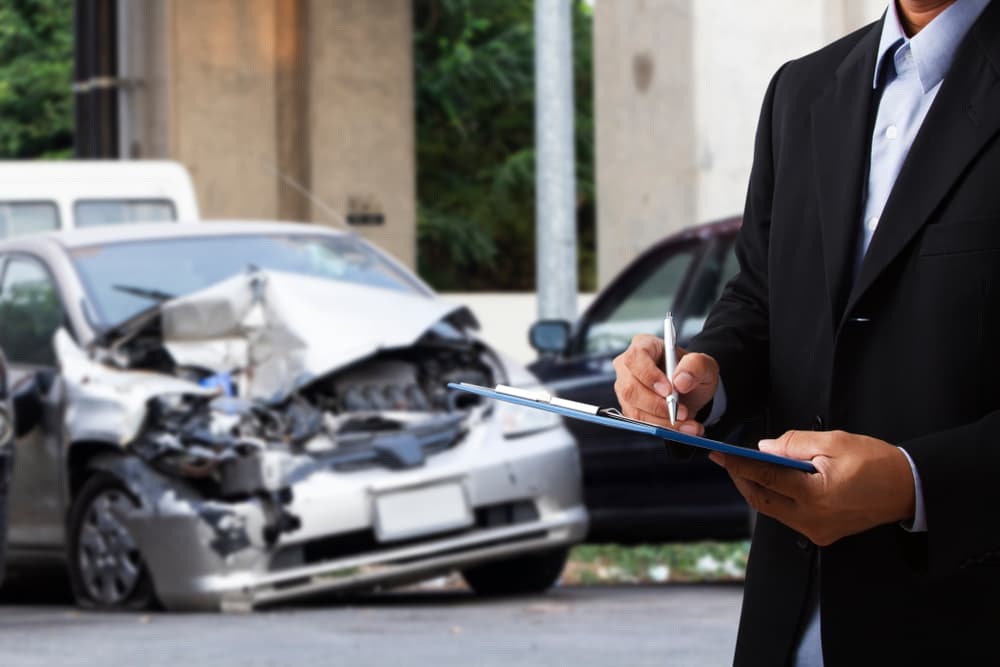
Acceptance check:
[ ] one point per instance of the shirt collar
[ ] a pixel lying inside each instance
(934, 47)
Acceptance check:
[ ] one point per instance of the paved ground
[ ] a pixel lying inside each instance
(670, 624)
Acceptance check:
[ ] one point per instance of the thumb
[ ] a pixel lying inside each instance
(695, 370)
(801, 445)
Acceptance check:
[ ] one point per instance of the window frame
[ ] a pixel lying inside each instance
(716, 247)
(5, 262)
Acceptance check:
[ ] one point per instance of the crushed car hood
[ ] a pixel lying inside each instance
(282, 330)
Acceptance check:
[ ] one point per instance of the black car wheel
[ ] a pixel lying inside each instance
(105, 566)
(533, 573)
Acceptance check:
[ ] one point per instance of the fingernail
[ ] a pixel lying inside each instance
(662, 388)
(684, 382)
(767, 445)
(689, 428)
(716, 458)
(682, 412)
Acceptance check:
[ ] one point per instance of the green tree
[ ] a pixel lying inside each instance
(36, 70)
(475, 143)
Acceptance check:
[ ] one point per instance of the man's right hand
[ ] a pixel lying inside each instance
(642, 386)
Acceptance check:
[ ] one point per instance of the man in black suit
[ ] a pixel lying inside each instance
(865, 325)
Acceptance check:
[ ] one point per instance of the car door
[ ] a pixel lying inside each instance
(30, 313)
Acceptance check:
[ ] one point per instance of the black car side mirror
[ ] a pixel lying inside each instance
(29, 401)
(549, 336)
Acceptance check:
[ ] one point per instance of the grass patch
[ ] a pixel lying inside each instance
(656, 563)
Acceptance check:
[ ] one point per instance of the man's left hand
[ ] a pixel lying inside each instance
(860, 483)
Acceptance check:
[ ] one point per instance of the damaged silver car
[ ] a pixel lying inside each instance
(230, 415)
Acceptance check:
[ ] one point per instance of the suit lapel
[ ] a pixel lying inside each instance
(840, 129)
(964, 116)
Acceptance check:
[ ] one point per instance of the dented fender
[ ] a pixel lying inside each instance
(106, 404)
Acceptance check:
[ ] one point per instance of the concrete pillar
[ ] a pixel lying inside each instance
(738, 48)
(283, 109)
(293, 108)
(644, 126)
(362, 118)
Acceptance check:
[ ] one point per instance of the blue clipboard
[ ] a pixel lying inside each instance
(639, 427)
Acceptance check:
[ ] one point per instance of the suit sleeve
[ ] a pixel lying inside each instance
(736, 331)
(958, 472)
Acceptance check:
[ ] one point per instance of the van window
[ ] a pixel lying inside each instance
(26, 217)
(93, 212)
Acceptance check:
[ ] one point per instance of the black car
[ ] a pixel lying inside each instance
(634, 488)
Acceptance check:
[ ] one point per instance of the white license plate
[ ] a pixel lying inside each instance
(431, 509)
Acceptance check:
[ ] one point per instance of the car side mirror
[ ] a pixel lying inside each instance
(549, 336)
(29, 401)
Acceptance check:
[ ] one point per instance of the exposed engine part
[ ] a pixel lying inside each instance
(240, 446)
(389, 411)
(409, 380)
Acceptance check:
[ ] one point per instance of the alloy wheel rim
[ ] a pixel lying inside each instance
(109, 559)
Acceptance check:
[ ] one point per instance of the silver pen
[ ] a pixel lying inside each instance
(670, 357)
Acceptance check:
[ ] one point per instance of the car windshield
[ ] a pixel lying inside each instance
(123, 278)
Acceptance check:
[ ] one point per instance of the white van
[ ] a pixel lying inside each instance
(37, 195)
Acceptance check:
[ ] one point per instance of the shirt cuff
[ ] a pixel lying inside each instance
(718, 406)
(919, 523)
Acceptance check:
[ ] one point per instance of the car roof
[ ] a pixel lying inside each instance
(703, 232)
(708, 229)
(76, 238)
(42, 171)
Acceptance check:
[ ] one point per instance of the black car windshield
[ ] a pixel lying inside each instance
(123, 278)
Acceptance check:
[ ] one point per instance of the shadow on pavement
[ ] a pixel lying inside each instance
(43, 587)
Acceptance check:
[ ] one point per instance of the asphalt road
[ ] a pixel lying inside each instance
(669, 624)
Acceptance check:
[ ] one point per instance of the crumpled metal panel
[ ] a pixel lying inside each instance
(107, 404)
(291, 329)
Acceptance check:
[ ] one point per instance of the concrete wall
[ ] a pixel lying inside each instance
(257, 95)
(678, 150)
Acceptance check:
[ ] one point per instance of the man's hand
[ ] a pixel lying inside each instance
(642, 385)
(860, 483)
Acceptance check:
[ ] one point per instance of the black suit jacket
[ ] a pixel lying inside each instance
(908, 352)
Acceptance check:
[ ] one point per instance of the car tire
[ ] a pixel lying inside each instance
(106, 568)
(532, 573)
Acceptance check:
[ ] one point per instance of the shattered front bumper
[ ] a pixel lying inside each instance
(520, 495)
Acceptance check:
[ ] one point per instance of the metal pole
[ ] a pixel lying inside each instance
(555, 167)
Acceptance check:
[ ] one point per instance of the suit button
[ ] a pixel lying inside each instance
(802, 543)
(818, 423)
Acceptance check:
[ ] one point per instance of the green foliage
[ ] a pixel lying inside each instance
(696, 561)
(36, 65)
(475, 143)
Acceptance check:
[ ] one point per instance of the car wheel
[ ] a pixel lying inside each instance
(105, 566)
(533, 573)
